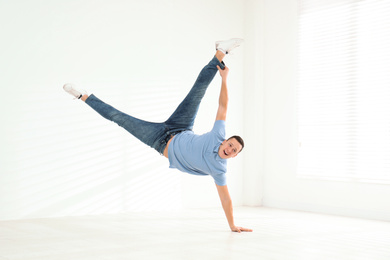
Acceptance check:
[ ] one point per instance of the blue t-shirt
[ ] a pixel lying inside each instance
(198, 154)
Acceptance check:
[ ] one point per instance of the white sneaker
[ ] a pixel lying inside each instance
(228, 45)
(71, 90)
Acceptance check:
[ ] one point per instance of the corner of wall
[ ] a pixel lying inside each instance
(253, 103)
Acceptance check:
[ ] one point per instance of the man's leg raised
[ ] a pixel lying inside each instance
(185, 114)
(152, 134)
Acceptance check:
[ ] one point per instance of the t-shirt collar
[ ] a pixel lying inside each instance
(216, 149)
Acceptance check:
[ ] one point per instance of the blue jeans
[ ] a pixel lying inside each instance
(157, 135)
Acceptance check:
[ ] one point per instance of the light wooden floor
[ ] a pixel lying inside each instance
(196, 234)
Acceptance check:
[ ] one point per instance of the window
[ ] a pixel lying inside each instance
(343, 90)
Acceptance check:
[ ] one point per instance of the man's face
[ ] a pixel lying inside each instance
(229, 148)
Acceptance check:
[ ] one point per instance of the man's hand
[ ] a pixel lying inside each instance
(240, 229)
(223, 72)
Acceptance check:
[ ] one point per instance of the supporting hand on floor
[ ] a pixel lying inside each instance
(240, 229)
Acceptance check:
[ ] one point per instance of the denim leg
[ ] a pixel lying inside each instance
(152, 134)
(156, 135)
(184, 116)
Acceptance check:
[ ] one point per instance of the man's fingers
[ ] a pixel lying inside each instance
(241, 229)
(226, 69)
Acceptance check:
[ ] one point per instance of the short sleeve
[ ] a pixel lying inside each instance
(220, 179)
(219, 128)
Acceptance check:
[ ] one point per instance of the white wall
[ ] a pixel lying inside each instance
(254, 103)
(58, 157)
(282, 189)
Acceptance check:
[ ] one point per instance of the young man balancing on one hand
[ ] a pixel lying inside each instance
(195, 154)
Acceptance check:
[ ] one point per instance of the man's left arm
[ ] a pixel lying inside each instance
(227, 205)
(223, 96)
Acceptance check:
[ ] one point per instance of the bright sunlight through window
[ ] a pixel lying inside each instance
(344, 90)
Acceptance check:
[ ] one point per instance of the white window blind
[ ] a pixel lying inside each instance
(343, 90)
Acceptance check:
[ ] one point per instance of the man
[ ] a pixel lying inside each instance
(195, 154)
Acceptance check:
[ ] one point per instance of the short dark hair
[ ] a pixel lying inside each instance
(239, 139)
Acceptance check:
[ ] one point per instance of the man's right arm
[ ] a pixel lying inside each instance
(227, 206)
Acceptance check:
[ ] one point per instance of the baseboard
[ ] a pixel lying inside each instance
(339, 211)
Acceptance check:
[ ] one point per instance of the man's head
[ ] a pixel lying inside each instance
(231, 147)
